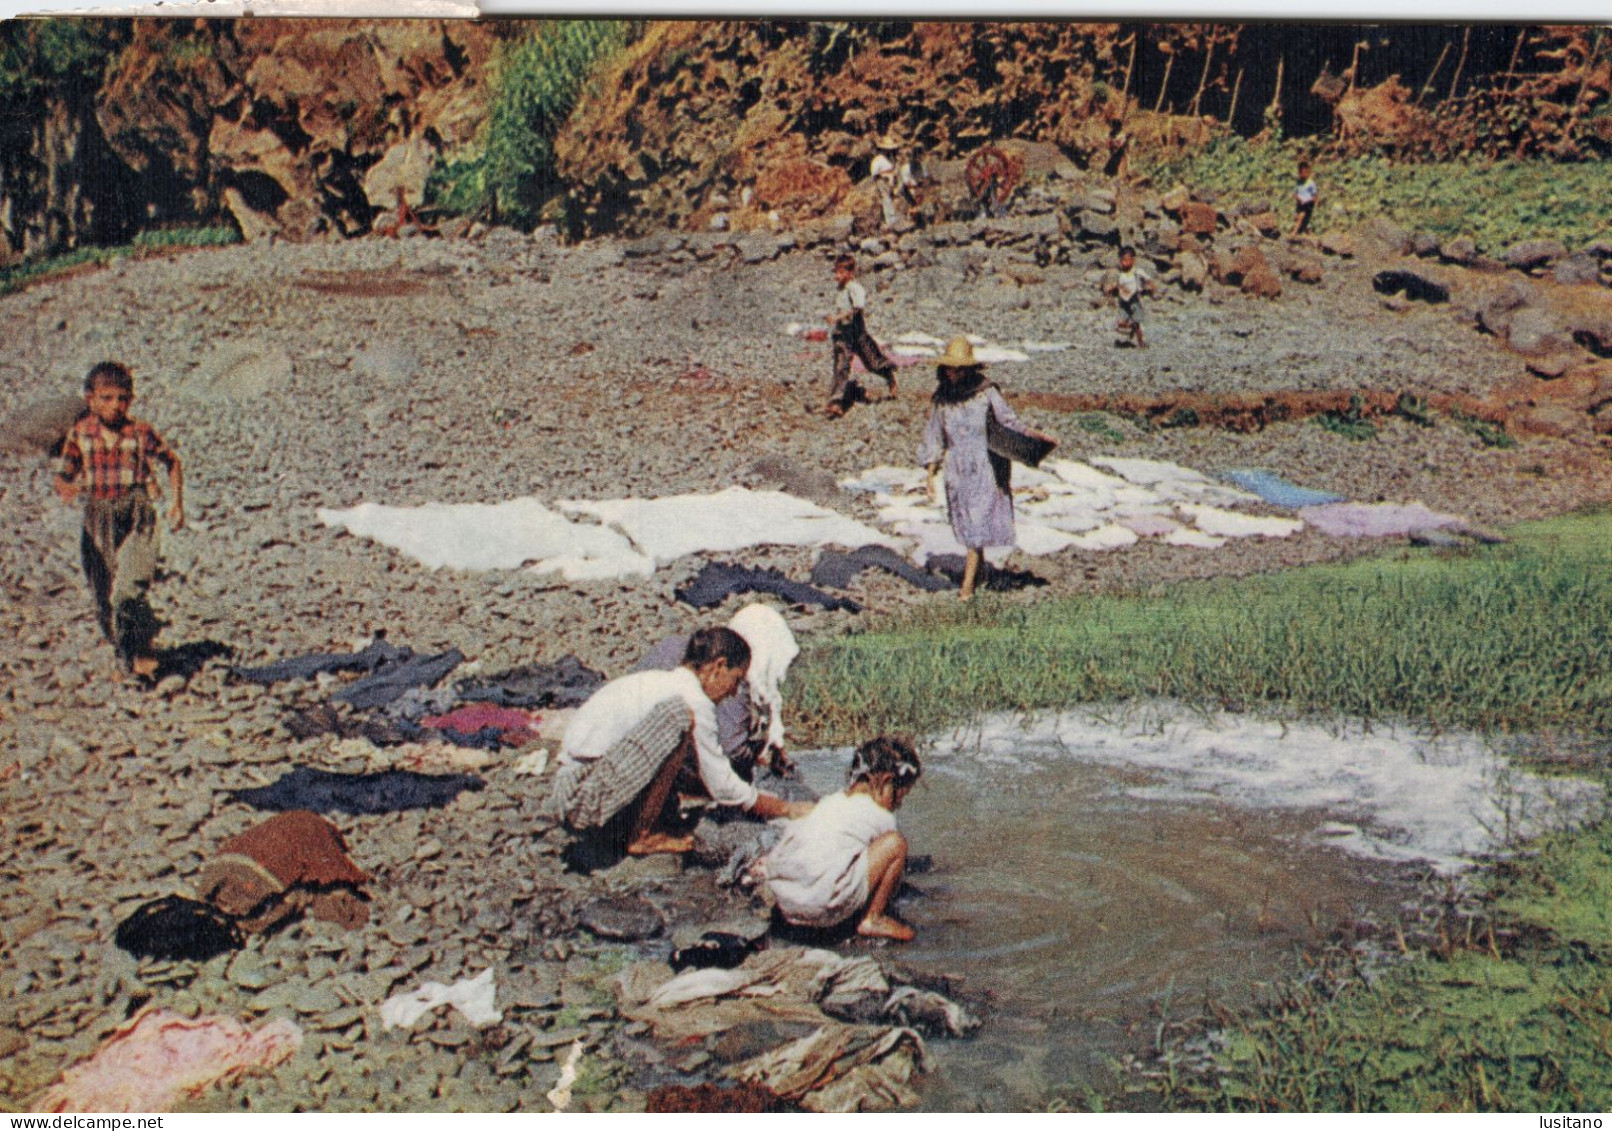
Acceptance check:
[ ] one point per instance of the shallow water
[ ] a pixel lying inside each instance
(1087, 876)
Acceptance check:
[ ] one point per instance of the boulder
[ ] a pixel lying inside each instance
(1236, 266)
(1198, 218)
(1529, 254)
(404, 166)
(1496, 310)
(1266, 224)
(1462, 250)
(1096, 226)
(1552, 419)
(1175, 200)
(1384, 234)
(1577, 269)
(1424, 245)
(39, 424)
(1261, 282)
(1304, 269)
(1339, 244)
(759, 247)
(1534, 331)
(1194, 272)
(1554, 365)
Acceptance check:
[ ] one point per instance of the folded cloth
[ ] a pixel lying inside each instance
(292, 862)
(843, 1068)
(386, 791)
(719, 580)
(305, 667)
(1278, 491)
(158, 1059)
(836, 570)
(174, 928)
(566, 683)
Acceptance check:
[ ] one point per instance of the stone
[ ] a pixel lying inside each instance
(1176, 200)
(1094, 225)
(758, 247)
(1553, 365)
(1578, 269)
(1424, 245)
(1339, 244)
(1496, 310)
(1384, 233)
(622, 918)
(1262, 282)
(39, 424)
(1198, 218)
(1554, 420)
(1529, 254)
(1462, 250)
(405, 166)
(1534, 331)
(1194, 270)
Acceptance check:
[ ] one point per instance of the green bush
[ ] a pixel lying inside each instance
(537, 81)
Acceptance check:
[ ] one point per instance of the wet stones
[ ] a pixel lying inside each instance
(622, 918)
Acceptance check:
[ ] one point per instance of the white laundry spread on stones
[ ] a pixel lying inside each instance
(474, 997)
(733, 519)
(1386, 794)
(1069, 505)
(487, 536)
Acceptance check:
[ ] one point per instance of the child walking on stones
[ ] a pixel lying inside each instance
(851, 339)
(623, 751)
(845, 859)
(108, 457)
(1133, 281)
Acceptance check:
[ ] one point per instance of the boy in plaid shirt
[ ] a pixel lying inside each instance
(109, 458)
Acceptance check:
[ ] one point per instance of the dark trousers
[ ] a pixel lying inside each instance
(119, 549)
(851, 339)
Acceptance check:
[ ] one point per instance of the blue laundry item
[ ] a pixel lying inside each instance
(1278, 492)
(391, 680)
(305, 667)
(387, 791)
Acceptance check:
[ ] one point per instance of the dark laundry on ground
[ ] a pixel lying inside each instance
(311, 722)
(392, 679)
(722, 950)
(567, 683)
(836, 569)
(379, 652)
(720, 580)
(995, 578)
(385, 791)
(174, 928)
(292, 863)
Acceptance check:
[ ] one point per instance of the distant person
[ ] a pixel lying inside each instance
(109, 458)
(852, 340)
(625, 747)
(749, 722)
(1133, 282)
(844, 860)
(896, 181)
(979, 485)
(1304, 198)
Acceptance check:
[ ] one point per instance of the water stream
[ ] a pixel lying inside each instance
(1085, 876)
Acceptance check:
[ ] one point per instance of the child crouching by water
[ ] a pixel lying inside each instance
(845, 858)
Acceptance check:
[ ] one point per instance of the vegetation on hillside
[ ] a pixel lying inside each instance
(537, 81)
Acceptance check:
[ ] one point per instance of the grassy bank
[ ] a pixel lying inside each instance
(1516, 1018)
(1508, 637)
(145, 244)
(1522, 199)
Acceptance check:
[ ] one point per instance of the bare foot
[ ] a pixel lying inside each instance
(884, 927)
(892, 388)
(652, 843)
(144, 666)
(834, 411)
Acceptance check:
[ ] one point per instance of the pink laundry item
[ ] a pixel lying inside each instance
(158, 1059)
(1375, 520)
(517, 726)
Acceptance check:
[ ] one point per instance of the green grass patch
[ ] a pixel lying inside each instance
(145, 243)
(1529, 1029)
(1532, 199)
(1491, 435)
(1099, 424)
(1505, 637)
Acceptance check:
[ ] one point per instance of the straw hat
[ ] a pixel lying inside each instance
(959, 354)
(888, 141)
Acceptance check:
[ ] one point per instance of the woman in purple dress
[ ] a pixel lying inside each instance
(979, 491)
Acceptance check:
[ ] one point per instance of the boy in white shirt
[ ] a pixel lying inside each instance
(851, 338)
(1132, 283)
(1304, 198)
(845, 859)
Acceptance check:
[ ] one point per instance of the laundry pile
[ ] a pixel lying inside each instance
(863, 1054)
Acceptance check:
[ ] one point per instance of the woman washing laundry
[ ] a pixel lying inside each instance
(979, 489)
